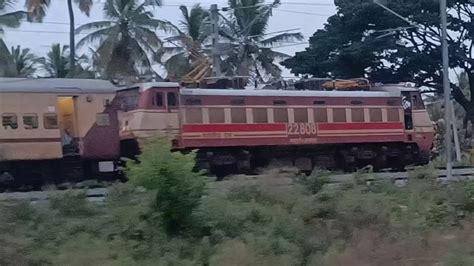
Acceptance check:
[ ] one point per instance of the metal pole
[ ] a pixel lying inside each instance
(216, 60)
(446, 87)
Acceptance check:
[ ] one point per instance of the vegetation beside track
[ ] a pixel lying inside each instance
(279, 218)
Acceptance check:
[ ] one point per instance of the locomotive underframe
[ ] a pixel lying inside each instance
(346, 157)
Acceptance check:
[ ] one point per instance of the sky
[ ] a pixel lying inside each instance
(304, 15)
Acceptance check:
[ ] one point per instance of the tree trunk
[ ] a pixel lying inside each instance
(72, 42)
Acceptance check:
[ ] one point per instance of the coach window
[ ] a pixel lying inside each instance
(280, 115)
(193, 115)
(158, 99)
(50, 121)
(9, 121)
(339, 115)
(375, 114)
(320, 115)
(357, 115)
(301, 115)
(238, 115)
(216, 115)
(171, 98)
(260, 115)
(30, 121)
(393, 115)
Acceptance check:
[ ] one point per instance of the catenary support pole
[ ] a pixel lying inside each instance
(446, 87)
(216, 62)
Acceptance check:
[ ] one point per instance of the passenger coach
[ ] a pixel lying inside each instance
(56, 130)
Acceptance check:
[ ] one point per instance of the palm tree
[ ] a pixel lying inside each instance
(251, 52)
(127, 39)
(37, 11)
(56, 63)
(25, 62)
(10, 20)
(191, 33)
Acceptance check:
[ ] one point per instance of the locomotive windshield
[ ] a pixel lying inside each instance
(128, 99)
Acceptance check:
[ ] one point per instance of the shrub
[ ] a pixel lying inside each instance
(316, 181)
(170, 174)
(72, 204)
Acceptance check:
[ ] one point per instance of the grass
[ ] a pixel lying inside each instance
(267, 221)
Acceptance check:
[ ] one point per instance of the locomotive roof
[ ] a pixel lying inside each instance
(288, 93)
(56, 85)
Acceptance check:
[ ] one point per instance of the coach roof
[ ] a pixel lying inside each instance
(56, 85)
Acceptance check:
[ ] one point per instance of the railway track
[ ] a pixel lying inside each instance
(98, 194)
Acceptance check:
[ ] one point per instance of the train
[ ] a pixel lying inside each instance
(57, 128)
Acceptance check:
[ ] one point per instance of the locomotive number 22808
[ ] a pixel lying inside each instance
(302, 129)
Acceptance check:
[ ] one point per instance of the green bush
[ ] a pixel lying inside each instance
(72, 204)
(315, 181)
(178, 189)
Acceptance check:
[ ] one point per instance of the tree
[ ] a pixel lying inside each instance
(170, 174)
(190, 35)
(127, 39)
(250, 50)
(56, 63)
(25, 61)
(10, 20)
(37, 10)
(363, 39)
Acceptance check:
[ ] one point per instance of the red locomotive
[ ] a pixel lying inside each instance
(236, 130)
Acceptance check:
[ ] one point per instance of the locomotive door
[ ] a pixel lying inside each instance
(68, 124)
(407, 110)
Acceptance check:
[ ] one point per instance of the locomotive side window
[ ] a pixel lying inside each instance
(216, 115)
(238, 115)
(301, 115)
(103, 119)
(339, 115)
(357, 115)
(171, 98)
(320, 115)
(9, 121)
(194, 115)
(260, 115)
(280, 115)
(393, 115)
(30, 121)
(417, 102)
(158, 99)
(50, 121)
(375, 114)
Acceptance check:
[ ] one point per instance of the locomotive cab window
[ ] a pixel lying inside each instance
(158, 99)
(171, 99)
(9, 121)
(30, 121)
(50, 121)
(417, 101)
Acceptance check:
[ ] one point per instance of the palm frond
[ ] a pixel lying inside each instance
(12, 19)
(36, 9)
(98, 35)
(84, 6)
(94, 26)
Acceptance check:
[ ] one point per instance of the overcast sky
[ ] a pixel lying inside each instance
(306, 15)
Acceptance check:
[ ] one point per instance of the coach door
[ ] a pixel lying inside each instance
(68, 124)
